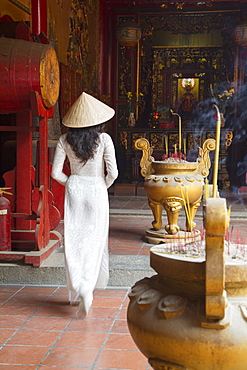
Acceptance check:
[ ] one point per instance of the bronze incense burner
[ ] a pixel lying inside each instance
(173, 184)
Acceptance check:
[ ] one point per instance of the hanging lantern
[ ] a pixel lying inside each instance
(128, 33)
(240, 35)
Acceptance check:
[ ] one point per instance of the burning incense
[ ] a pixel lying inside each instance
(186, 206)
(206, 189)
(166, 144)
(184, 145)
(217, 150)
(179, 130)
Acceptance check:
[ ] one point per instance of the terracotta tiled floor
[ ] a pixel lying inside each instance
(39, 330)
(127, 232)
(127, 235)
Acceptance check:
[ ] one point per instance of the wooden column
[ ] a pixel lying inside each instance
(39, 16)
(24, 169)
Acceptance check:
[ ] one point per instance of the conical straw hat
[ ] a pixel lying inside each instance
(87, 111)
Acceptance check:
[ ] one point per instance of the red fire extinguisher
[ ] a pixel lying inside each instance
(5, 226)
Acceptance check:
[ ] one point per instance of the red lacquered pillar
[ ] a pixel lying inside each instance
(39, 16)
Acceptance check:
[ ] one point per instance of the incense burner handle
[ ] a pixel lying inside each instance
(216, 221)
(147, 159)
(203, 160)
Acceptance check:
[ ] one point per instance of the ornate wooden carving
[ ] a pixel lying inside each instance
(157, 141)
(124, 139)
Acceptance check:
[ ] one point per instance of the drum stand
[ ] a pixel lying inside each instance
(34, 216)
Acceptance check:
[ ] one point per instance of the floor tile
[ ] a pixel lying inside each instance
(123, 314)
(56, 310)
(45, 367)
(28, 298)
(18, 309)
(38, 290)
(120, 341)
(145, 252)
(117, 292)
(103, 312)
(116, 359)
(26, 355)
(5, 296)
(58, 299)
(107, 302)
(10, 289)
(126, 303)
(90, 325)
(35, 337)
(84, 340)
(61, 290)
(120, 326)
(6, 334)
(17, 367)
(62, 356)
(46, 323)
(12, 322)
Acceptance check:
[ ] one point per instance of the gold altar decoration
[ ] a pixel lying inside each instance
(172, 184)
(192, 315)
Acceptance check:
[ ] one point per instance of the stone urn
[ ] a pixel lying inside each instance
(192, 315)
(174, 183)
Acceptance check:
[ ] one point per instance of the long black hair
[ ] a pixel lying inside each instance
(84, 141)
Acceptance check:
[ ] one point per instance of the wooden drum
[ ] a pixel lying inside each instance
(27, 66)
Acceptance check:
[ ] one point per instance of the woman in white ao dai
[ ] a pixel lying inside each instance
(86, 205)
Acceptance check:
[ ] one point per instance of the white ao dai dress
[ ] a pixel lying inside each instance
(86, 215)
